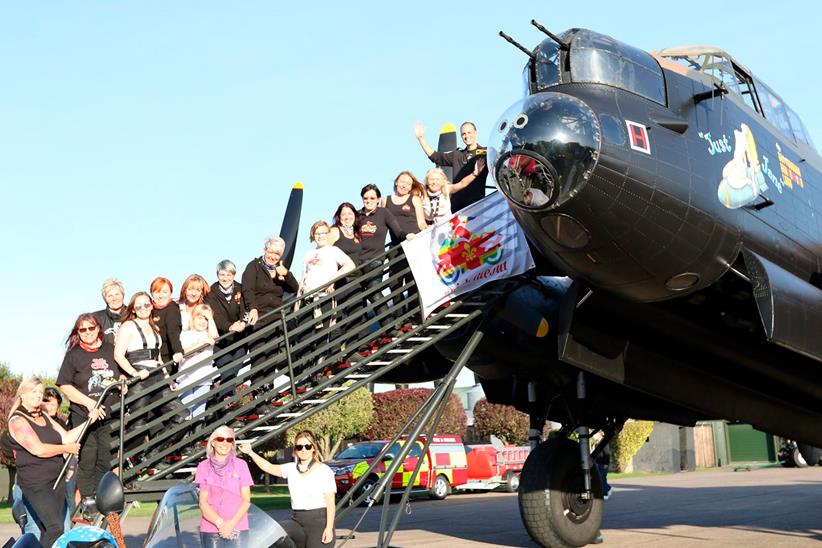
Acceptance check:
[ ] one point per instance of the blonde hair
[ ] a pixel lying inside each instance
(110, 284)
(26, 386)
(436, 170)
(224, 431)
(314, 228)
(199, 310)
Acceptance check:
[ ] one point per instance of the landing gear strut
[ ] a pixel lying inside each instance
(560, 492)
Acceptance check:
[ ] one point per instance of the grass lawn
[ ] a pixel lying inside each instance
(276, 499)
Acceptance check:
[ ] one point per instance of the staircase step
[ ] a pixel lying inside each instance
(399, 351)
(312, 401)
(335, 388)
(265, 428)
(454, 315)
(298, 414)
(418, 339)
(357, 376)
(379, 363)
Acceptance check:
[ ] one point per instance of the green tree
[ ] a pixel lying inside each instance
(628, 442)
(502, 421)
(6, 372)
(392, 409)
(339, 421)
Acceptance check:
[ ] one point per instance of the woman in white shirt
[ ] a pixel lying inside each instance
(437, 203)
(322, 265)
(196, 370)
(312, 488)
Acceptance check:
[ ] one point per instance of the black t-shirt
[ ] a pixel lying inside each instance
(90, 373)
(373, 229)
(170, 325)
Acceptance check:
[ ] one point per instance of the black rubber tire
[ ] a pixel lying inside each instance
(440, 489)
(811, 454)
(511, 482)
(550, 505)
(367, 485)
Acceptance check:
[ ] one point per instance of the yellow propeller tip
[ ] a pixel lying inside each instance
(448, 128)
(298, 185)
(543, 328)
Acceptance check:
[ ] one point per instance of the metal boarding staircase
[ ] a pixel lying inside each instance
(298, 371)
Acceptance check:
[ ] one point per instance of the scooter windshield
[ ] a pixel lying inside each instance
(176, 523)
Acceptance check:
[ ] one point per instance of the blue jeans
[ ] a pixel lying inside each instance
(603, 473)
(213, 540)
(31, 522)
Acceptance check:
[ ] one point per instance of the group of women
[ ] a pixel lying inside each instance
(137, 339)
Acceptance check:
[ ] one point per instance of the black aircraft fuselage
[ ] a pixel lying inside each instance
(674, 206)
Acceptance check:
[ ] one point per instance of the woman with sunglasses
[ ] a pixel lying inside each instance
(137, 352)
(88, 369)
(225, 492)
(312, 488)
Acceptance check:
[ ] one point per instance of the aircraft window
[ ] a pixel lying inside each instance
(721, 69)
(597, 58)
(526, 80)
(774, 109)
(799, 128)
(746, 91)
(547, 63)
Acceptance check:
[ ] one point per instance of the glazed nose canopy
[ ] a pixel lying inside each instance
(543, 149)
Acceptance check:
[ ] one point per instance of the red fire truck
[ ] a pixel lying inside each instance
(448, 465)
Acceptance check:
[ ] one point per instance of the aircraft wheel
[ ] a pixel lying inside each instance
(550, 496)
(811, 454)
(798, 460)
(440, 488)
(511, 482)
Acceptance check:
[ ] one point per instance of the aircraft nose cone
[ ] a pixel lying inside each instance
(543, 149)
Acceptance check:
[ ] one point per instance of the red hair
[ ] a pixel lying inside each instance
(158, 283)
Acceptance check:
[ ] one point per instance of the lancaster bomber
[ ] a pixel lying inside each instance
(670, 199)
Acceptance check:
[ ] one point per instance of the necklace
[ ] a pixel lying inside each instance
(348, 231)
(33, 414)
(307, 468)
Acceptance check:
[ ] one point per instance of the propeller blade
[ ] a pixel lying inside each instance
(447, 143)
(291, 223)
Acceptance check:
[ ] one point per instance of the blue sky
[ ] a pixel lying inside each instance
(156, 138)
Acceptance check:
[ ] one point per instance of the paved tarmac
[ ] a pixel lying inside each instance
(763, 508)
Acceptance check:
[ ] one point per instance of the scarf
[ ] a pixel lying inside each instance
(90, 348)
(227, 293)
(267, 266)
(220, 467)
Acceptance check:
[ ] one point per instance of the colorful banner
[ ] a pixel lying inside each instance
(479, 244)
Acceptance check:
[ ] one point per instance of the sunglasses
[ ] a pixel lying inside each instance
(300, 447)
(222, 439)
(143, 306)
(86, 329)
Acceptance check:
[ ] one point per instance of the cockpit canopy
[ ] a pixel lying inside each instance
(595, 58)
(591, 57)
(720, 66)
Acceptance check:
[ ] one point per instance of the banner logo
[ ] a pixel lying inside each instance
(479, 244)
(461, 251)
